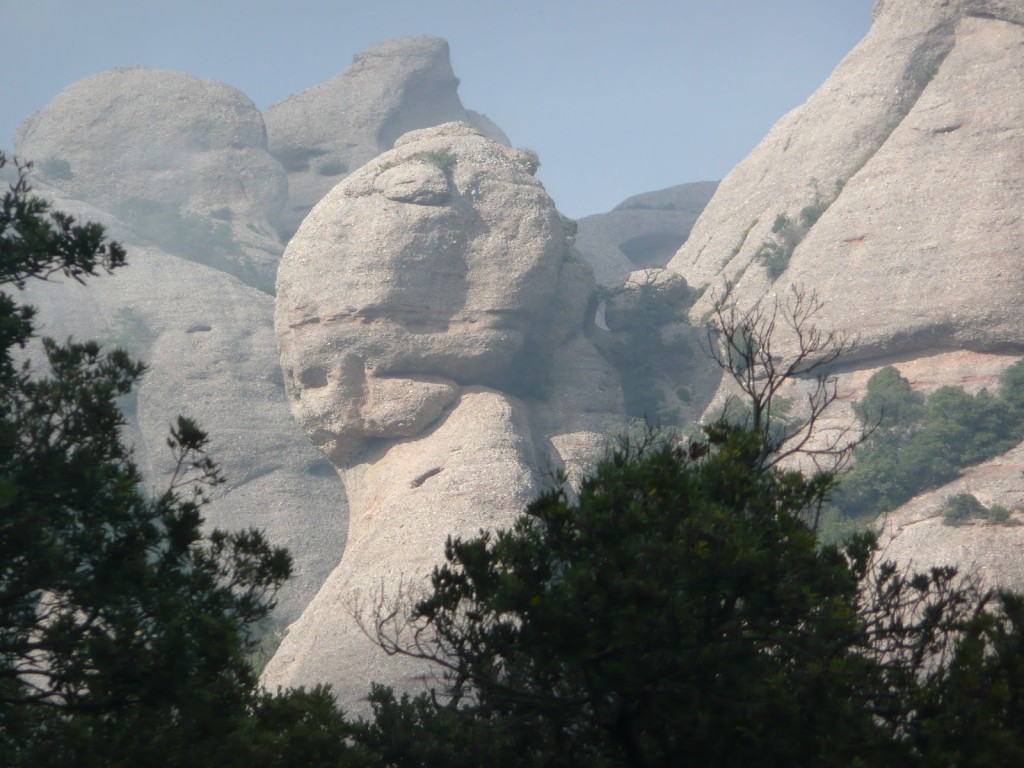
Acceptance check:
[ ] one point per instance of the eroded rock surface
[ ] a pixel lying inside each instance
(643, 231)
(423, 271)
(900, 180)
(322, 134)
(431, 319)
(208, 342)
(894, 193)
(180, 159)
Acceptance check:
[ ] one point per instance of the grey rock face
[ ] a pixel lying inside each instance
(431, 322)
(900, 180)
(393, 87)
(472, 469)
(182, 159)
(423, 271)
(641, 232)
(895, 194)
(208, 342)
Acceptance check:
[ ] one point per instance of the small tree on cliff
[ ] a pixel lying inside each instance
(124, 630)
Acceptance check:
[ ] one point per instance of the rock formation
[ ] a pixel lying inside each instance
(179, 171)
(392, 87)
(641, 232)
(895, 194)
(420, 307)
(182, 160)
(900, 182)
(208, 342)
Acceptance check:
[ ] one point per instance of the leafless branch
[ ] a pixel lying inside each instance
(745, 344)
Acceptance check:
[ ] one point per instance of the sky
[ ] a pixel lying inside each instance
(617, 97)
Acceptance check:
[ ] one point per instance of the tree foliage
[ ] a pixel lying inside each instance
(679, 608)
(918, 443)
(124, 628)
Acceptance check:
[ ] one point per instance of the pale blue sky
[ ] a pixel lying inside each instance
(616, 96)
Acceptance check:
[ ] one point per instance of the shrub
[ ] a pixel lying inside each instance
(961, 508)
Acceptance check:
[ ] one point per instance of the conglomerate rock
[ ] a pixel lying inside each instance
(207, 340)
(641, 232)
(894, 194)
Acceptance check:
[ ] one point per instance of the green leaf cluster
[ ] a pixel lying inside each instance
(125, 628)
(920, 443)
(680, 610)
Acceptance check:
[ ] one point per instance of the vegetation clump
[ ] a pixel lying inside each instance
(679, 608)
(649, 344)
(961, 508)
(125, 628)
(919, 443)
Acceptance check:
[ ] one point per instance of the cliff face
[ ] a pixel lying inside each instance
(324, 133)
(180, 171)
(208, 342)
(895, 193)
(642, 232)
(181, 160)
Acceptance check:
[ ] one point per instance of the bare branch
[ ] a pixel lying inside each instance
(744, 344)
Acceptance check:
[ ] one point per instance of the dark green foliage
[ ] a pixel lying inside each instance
(682, 611)
(964, 507)
(889, 400)
(679, 609)
(776, 252)
(570, 227)
(787, 234)
(530, 160)
(1011, 390)
(124, 629)
(649, 347)
(918, 445)
(961, 508)
(444, 159)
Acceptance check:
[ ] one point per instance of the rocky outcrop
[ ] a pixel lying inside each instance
(894, 193)
(473, 469)
(424, 271)
(180, 159)
(208, 342)
(431, 322)
(641, 232)
(393, 87)
(899, 182)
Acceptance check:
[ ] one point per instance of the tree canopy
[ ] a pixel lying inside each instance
(124, 627)
(679, 608)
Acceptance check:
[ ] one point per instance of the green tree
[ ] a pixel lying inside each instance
(124, 629)
(679, 609)
(889, 401)
(682, 610)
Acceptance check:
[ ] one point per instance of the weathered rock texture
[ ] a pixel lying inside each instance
(642, 231)
(181, 159)
(208, 342)
(430, 318)
(178, 168)
(393, 87)
(901, 181)
(911, 153)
